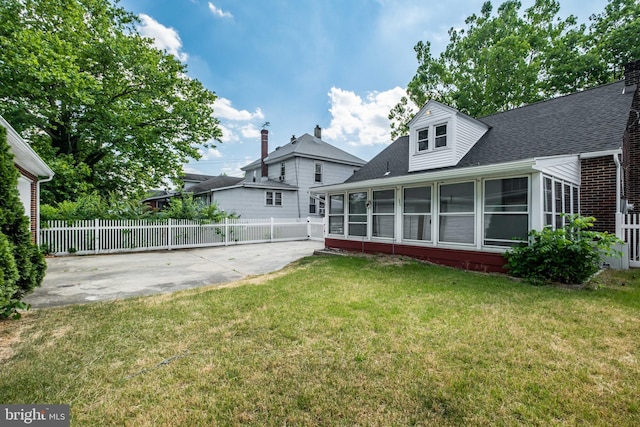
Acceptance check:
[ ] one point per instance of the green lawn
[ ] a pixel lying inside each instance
(340, 341)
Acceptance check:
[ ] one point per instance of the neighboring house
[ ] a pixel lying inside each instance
(33, 171)
(459, 190)
(277, 185)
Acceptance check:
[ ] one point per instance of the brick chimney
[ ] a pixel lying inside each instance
(317, 132)
(264, 135)
(631, 145)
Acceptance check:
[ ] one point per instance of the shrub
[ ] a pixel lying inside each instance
(8, 272)
(571, 254)
(14, 225)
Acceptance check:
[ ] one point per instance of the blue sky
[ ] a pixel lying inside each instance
(340, 64)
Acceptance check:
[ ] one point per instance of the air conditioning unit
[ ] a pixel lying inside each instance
(321, 211)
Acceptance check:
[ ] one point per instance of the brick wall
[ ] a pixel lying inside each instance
(598, 192)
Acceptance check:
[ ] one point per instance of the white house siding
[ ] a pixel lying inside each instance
(566, 168)
(251, 203)
(467, 133)
(332, 173)
(24, 189)
(462, 133)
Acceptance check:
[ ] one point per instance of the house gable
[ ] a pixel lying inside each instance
(440, 136)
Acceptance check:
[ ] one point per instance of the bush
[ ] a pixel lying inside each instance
(566, 255)
(14, 226)
(8, 272)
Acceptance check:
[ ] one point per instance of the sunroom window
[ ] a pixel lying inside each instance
(358, 214)
(416, 221)
(457, 213)
(336, 214)
(506, 211)
(383, 213)
(559, 197)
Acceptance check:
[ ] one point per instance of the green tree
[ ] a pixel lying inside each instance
(106, 110)
(504, 60)
(16, 247)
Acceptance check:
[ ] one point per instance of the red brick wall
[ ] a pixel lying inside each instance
(598, 192)
(34, 202)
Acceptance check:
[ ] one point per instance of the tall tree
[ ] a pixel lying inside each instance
(98, 102)
(508, 59)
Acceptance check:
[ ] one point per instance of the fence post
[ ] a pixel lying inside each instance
(96, 234)
(308, 228)
(169, 234)
(226, 231)
(271, 233)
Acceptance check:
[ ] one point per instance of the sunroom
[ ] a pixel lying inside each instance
(461, 217)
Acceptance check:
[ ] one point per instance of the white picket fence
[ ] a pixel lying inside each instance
(628, 229)
(112, 236)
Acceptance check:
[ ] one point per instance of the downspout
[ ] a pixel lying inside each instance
(616, 160)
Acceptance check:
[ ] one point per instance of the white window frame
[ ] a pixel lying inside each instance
(497, 242)
(316, 173)
(273, 198)
(428, 215)
(378, 215)
(351, 216)
(441, 215)
(565, 198)
(432, 138)
(332, 214)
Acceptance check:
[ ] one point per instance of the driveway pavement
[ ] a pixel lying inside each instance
(81, 279)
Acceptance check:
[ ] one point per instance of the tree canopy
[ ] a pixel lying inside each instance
(104, 108)
(504, 60)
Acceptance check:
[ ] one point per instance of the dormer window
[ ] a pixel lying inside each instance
(441, 136)
(423, 139)
(432, 137)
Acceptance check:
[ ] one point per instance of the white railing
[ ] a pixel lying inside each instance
(628, 229)
(112, 236)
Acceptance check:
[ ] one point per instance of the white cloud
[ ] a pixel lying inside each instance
(164, 38)
(359, 122)
(219, 12)
(222, 109)
(209, 153)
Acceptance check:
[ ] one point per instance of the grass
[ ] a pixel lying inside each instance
(340, 341)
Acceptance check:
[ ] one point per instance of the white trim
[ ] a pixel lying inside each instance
(600, 153)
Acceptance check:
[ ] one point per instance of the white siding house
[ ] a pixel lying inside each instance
(278, 185)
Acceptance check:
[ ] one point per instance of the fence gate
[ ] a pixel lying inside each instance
(629, 231)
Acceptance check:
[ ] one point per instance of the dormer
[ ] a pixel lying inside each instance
(439, 136)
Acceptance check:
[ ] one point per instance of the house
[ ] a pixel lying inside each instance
(33, 171)
(277, 185)
(159, 199)
(459, 191)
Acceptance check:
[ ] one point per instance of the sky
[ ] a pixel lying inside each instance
(339, 64)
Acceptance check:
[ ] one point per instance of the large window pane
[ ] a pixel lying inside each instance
(336, 204)
(416, 227)
(417, 200)
(383, 201)
(383, 226)
(336, 224)
(505, 227)
(457, 197)
(506, 195)
(457, 229)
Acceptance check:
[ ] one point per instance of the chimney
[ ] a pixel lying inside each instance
(317, 132)
(632, 73)
(264, 134)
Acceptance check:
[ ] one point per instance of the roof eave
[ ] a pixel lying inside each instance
(448, 174)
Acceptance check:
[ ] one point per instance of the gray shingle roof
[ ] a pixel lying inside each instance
(308, 146)
(588, 121)
(213, 183)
